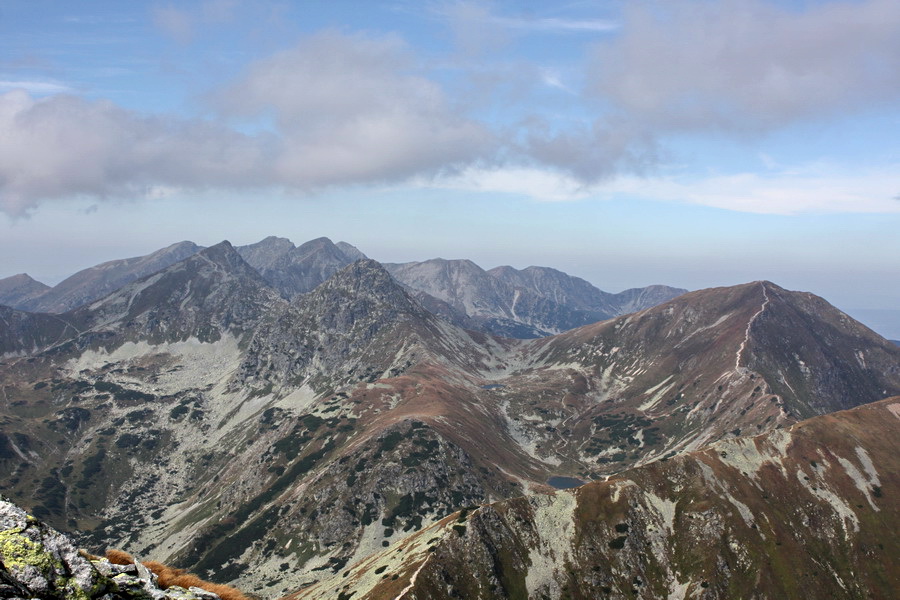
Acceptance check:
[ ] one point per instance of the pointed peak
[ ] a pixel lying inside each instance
(350, 251)
(363, 266)
(364, 275)
(226, 255)
(222, 247)
(21, 278)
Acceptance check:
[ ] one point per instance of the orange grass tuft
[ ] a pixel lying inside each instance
(168, 576)
(119, 557)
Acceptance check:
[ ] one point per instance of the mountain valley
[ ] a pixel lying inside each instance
(280, 417)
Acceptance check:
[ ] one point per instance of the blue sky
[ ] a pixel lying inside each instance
(687, 142)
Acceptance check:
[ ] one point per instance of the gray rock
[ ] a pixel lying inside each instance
(37, 561)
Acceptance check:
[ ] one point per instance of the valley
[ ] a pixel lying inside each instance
(286, 418)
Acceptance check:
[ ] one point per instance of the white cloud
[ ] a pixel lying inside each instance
(818, 189)
(347, 109)
(538, 184)
(478, 29)
(355, 108)
(748, 64)
(64, 146)
(551, 24)
(815, 189)
(34, 87)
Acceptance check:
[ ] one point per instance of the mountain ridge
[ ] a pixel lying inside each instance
(95, 282)
(715, 523)
(533, 302)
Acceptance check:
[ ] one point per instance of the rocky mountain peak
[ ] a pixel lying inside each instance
(533, 302)
(224, 255)
(296, 270)
(350, 251)
(202, 296)
(364, 277)
(266, 252)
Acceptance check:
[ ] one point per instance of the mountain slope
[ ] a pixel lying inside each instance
(204, 296)
(806, 512)
(182, 441)
(533, 302)
(706, 365)
(26, 333)
(19, 289)
(95, 282)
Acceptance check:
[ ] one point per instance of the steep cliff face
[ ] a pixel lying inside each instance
(803, 512)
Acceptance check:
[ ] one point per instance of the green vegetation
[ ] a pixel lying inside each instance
(122, 395)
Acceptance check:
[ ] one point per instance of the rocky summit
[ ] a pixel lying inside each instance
(202, 417)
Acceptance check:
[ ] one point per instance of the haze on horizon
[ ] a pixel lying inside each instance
(685, 142)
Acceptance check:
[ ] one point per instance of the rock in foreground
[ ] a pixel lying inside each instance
(36, 561)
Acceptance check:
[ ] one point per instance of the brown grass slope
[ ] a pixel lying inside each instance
(806, 512)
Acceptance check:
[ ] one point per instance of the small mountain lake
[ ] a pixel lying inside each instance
(564, 483)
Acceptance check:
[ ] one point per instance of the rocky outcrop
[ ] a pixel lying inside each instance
(207, 296)
(36, 561)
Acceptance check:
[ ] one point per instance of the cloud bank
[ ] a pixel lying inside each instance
(342, 109)
(746, 64)
(347, 109)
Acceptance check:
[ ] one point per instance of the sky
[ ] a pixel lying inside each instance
(693, 143)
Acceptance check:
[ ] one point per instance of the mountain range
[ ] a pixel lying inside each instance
(204, 416)
(533, 302)
(527, 303)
